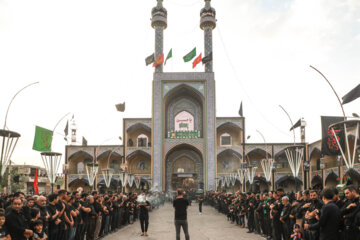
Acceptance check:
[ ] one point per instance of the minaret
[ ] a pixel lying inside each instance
(73, 131)
(208, 23)
(159, 23)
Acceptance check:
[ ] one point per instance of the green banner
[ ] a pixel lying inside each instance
(184, 134)
(42, 140)
(168, 56)
(188, 57)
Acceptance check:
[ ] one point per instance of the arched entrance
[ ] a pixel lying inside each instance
(184, 168)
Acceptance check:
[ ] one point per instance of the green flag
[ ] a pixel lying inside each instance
(168, 56)
(42, 140)
(188, 57)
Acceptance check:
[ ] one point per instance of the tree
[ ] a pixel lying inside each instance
(16, 180)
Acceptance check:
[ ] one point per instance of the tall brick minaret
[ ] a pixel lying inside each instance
(208, 23)
(159, 23)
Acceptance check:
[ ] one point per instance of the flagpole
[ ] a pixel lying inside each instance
(337, 96)
(13, 100)
(292, 124)
(55, 128)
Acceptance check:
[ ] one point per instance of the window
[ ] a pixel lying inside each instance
(80, 168)
(142, 140)
(115, 165)
(225, 139)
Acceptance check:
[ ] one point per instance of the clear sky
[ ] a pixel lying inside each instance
(89, 55)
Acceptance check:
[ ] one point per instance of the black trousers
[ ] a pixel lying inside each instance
(286, 230)
(144, 223)
(90, 228)
(200, 207)
(184, 225)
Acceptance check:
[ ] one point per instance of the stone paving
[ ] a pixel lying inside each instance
(209, 226)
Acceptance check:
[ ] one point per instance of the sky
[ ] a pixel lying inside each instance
(89, 55)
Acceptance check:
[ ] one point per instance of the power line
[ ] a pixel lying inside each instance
(243, 87)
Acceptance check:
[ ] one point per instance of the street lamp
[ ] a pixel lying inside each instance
(322, 166)
(346, 127)
(267, 166)
(91, 172)
(9, 141)
(251, 174)
(123, 179)
(273, 175)
(306, 170)
(294, 155)
(338, 161)
(107, 174)
(51, 162)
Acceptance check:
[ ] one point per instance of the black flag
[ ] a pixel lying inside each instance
(241, 110)
(84, 141)
(296, 125)
(352, 95)
(120, 107)
(66, 130)
(150, 59)
(329, 145)
(207, 59)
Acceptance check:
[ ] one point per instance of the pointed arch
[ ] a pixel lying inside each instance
(79, 153)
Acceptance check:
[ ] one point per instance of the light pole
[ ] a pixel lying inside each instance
(242, 175)
(123, 179)
(294, 155)
(322, 166)
(51, 162)
(347, 127)
(9, 139)
(338, 161)
(91, 172)
(306, 171)
(251, 174)
(273, 175)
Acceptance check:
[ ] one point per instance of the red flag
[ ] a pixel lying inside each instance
(159, 60)
(197, 60)
(36, 183)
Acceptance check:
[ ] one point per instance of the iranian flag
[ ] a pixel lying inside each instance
(36, 183)
(197, 60)
(159, 60)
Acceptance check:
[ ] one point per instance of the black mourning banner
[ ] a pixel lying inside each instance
(329, 145)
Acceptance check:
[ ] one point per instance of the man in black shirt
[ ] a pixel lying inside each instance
(54, 217)
(144, 216)
(16, 222)
(91, 220)
(200, 200)
(330, 219)
(348, 213)
(180, 205)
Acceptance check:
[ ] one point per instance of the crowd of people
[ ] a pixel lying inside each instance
(308, 215)
(72, 216)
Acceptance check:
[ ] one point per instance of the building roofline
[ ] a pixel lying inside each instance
(80, 146)
(137, 119)
(230, 117)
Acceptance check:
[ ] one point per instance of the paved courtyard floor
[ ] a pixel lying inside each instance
(209, 226)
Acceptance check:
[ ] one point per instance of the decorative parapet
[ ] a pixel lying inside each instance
(198, 86)
(233, 120)
(252, 147)
(197, 143)
(237, 149)
(131, 122)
